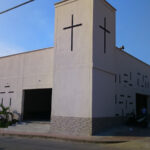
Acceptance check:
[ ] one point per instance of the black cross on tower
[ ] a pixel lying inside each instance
(72, 27)
(105, 31)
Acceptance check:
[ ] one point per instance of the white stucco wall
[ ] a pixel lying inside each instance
(86, 80)
(130, 70)
(72, 69)
(103, 85)
(114, 98)
(103, 94)
(29, 70)
(100, 59)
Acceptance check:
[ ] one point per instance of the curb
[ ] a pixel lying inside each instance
(88, 139)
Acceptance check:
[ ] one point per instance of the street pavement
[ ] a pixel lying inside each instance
(119, 138)
(21, 143)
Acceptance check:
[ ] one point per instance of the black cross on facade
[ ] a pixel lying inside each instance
(105, 31)
(72, 27)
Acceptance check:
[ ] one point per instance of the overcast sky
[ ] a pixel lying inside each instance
(32, 26)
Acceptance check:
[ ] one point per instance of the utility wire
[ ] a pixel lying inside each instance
(16, 6)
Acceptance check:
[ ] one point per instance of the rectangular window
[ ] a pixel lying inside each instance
(2, 92)
(125, 74)
(11, 92)
(122, 95)
(2, 101)
(7, 86)
(126, 104)
(130, 84)
(10, 102)
(121, 102)
(130, 75)
(143, 77)
(145, 84)
(138, 82)
(125, 81)
(119, 78)
(138, 73)
(116, 99)
(115, 78)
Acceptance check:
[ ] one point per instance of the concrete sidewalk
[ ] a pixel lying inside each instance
(89, 139)
(42, 130)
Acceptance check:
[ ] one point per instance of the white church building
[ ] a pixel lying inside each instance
(84, 83)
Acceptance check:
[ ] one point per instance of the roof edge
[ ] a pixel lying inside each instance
(107, 3)
(63, 2)
(26, 52)
(118, 49)
(110, 5)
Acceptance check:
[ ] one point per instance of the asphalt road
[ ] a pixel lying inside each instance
(20, 143)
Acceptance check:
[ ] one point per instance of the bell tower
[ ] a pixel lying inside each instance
(84, 40)
(104, 24)
(72, 94)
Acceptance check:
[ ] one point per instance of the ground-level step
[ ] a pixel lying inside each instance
(30, 127)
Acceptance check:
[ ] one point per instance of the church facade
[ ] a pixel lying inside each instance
(85, 83)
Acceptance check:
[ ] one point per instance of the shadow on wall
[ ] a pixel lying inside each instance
(124, 130)
(105, 104)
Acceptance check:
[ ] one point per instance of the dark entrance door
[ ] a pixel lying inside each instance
(141, 101)
(37, 104)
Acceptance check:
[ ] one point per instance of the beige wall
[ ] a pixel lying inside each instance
(112, 98)
(130, 71)
(72, 69)
(100, 59)
(84, 79)
(30, 70)
(103, 85)
(103, 94)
